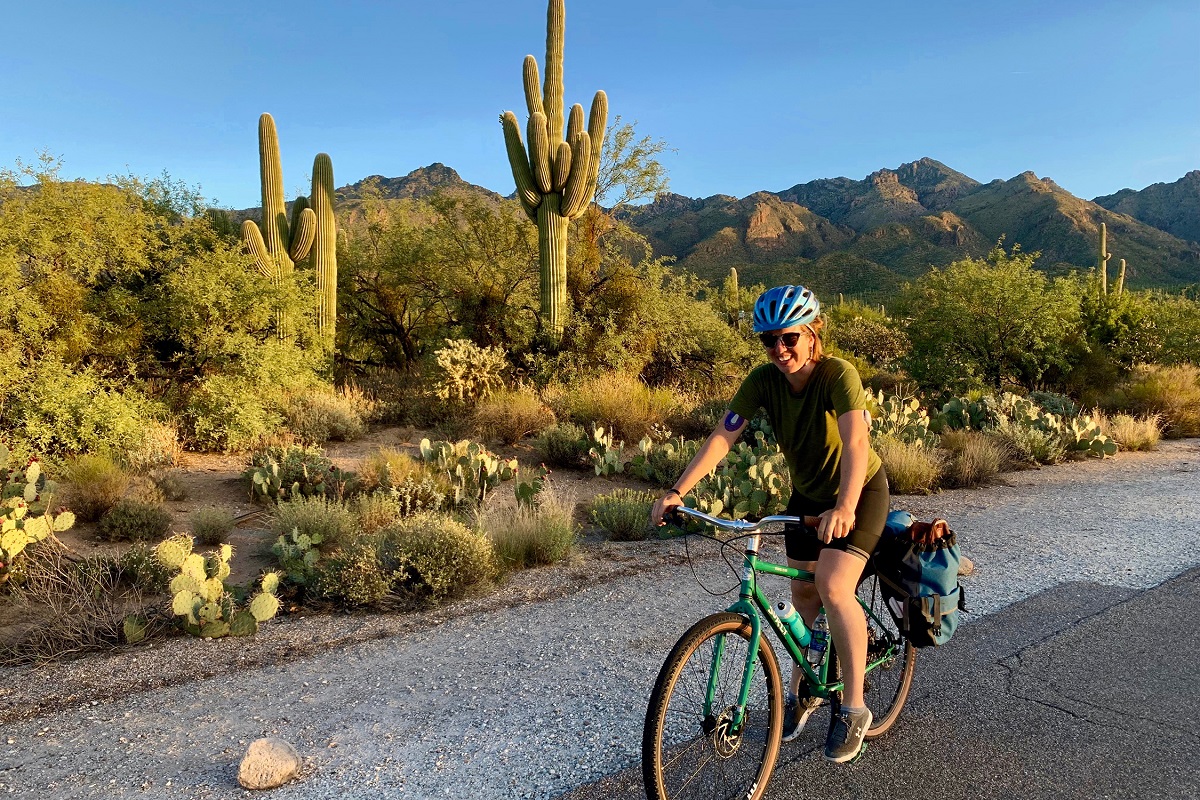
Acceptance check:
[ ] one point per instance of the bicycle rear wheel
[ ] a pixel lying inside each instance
(687, 753)
(886, 687)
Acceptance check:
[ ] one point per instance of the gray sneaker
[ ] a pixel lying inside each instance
(796, 712)
(846, 735)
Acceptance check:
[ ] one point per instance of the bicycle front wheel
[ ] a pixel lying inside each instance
(886, 685)
(689, 751)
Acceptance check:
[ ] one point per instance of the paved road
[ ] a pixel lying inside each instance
(1083, 691)
(535, 700)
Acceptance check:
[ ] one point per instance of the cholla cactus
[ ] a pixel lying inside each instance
(556, 179)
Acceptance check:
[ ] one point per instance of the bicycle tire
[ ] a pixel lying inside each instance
(885, 688)
(688, 755)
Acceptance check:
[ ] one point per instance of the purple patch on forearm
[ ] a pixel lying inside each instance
(733, 422)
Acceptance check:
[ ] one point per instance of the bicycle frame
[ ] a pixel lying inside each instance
(753, 604)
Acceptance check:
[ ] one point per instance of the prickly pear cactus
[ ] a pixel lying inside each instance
(471, 469)
(199, 596)
(751, 482)
(605, 454)
(24, 519)
(902, 418)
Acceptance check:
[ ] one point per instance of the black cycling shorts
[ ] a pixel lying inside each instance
(869, 516)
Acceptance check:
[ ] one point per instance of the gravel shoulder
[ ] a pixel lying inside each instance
(533, 690)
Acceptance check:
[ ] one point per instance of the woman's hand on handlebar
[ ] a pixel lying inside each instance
(664, 505)
(835, 523)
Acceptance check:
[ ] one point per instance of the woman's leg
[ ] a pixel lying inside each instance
(837, 573)
(808, 602)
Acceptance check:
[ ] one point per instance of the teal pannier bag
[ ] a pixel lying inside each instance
(917, 563)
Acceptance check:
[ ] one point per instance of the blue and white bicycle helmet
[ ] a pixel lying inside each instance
(783, 307)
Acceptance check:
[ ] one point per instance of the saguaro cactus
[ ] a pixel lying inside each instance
(557, 178)
(324, 251)
(1121, 278)
(1102, 259)
(279, 245)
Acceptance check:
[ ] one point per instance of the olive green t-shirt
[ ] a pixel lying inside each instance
(806, 424)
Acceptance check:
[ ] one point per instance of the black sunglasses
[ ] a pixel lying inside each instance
(789, 339)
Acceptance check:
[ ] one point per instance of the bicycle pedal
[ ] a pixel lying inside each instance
(858, 757)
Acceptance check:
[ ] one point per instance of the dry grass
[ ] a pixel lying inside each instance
(911, 468)
(321, 415)
(1171, 392)
(1133, 433)
(386, 468)
(97, 483)
(510, 415)
(972, 459)
(617, 402)
(529, 537)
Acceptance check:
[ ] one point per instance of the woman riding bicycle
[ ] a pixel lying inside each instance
(818, 409)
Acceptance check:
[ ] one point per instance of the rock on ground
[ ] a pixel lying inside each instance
(268, 764)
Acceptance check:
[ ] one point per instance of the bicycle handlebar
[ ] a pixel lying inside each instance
(741, 525)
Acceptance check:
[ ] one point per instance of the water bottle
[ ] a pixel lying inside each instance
(790, 619)
(820, 637)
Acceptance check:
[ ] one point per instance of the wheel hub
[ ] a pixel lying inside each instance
(726, 740)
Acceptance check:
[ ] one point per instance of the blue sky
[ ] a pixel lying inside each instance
(755, 94)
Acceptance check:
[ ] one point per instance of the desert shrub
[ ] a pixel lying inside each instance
(510, 415)
(376, 511)
(624, 514)
(320, 415)
(145, 490)
(169, 483)
(66, 606)
(212, 526)
(696, 418)
(420, 493)
(1056, 403)
(386, 468)
(911, 468)
(143, 571)
(617, 402)
(96, 484)
(436, 557)
(133, 521)
(1133, 433)
(531, 535)
(315, 517)
(1171, 392)
(351, 575)
(229, 412)
(972, 458)
(564, 444)
(1030, 444)
(58, 412)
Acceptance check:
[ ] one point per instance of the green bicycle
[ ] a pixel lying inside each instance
(715, 719)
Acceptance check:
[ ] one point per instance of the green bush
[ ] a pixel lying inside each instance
(1029, 443)
(972, 458)
(376, 511)
(320, 415)
(170, 484)
(212, 526)
(564, 444)
(911, 468)
(132, 521)
(624, 514)
(315, 517)
(96, 484)
(230, 413)
(351, 575)
(531, 535)
(696, 418)
(436, 558)
(508, 416)
(1171, 392)
(1055, 403)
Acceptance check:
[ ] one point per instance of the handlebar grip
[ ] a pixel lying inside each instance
(674, 517)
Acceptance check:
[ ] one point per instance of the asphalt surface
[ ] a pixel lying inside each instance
(1081, 691)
